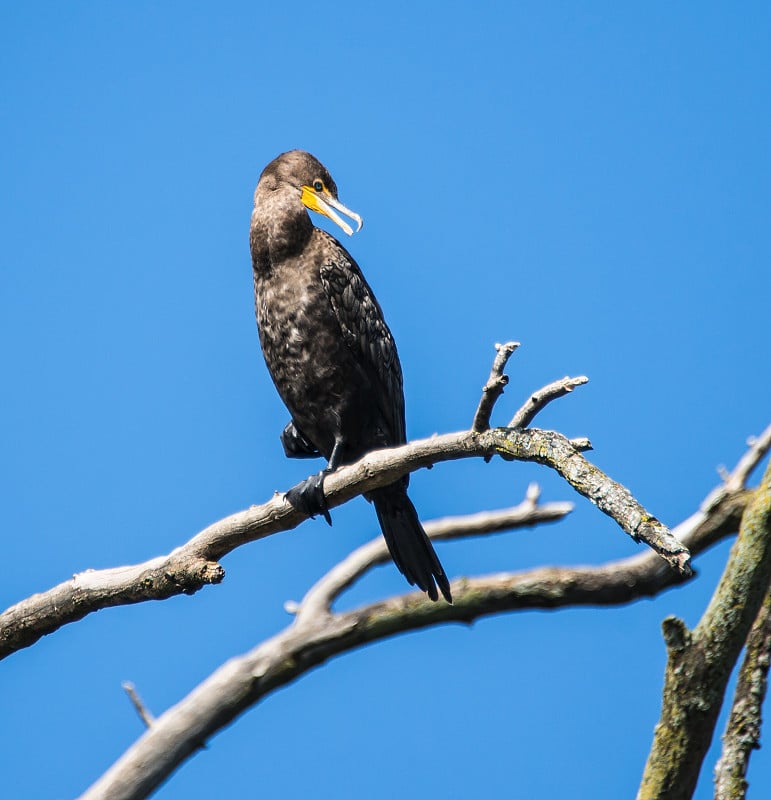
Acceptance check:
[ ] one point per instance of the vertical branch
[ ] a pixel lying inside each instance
(742, 734)
(493, 389)
(700, 662)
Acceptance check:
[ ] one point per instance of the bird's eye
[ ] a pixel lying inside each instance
(318, 186)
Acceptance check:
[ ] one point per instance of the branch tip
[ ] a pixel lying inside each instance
(493, 389)
(533, 493)
(540, 399)
(139, 706)
(582, 444)
(682, 563)
(677, 637)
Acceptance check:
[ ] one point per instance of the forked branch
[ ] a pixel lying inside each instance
(196, 563)
(700, 661)
(318, 634)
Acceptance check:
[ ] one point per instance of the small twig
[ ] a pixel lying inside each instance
(759, 446)
(737, 478)
(493, 389)
(734, 483)
(582, 444)
(538, 400)
(319, 598)
(136, 701)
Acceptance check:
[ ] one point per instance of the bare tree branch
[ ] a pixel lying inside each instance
(700, 661)
(493, 389)
(733, 482)
(319, 599)
(742, 734)
(757, 448)
(316, 636)
(610, 497)
(540, 399)
(194, 564)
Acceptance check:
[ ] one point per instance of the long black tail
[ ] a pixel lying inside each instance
(407, 542)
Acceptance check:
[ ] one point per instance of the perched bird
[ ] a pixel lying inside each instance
(330, 353)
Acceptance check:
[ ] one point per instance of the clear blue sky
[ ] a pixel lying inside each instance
(593, 182)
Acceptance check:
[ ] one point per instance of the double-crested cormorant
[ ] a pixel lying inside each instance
(330, 353)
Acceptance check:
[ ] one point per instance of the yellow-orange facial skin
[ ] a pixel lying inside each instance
(323, 203)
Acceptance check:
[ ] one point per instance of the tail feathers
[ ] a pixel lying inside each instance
(407, 542)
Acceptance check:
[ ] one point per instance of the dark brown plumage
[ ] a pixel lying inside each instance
(330, 353)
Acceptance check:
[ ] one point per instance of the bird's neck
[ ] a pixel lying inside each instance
(280, 228)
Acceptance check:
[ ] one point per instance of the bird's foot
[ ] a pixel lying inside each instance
(308, 497)
(296, 444)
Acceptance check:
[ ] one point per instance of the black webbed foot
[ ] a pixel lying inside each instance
(296, 444)
(308, 497)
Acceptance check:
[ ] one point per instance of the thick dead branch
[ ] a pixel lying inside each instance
(700, 661)
(313, 638)
(742, 734)
(540, 399)
(194, 564)
(494, 387)
(181, 572)
(613, 499)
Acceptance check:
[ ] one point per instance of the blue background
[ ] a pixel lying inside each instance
(593, 182)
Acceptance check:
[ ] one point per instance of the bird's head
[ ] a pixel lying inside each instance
(307, 175)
